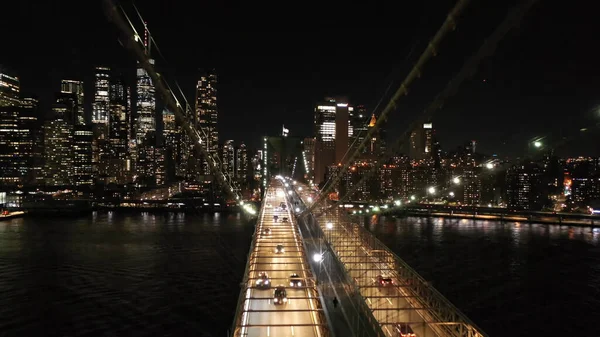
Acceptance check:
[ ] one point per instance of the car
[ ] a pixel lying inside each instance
(275, 218)
(295, 280)
(279, 249)
(263, 280)
(284, 219)
(280, 295)
(266, 231)
(384, 281)
(404, 330)
(268, 205)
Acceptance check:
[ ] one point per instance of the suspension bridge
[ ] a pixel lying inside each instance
(311, 270)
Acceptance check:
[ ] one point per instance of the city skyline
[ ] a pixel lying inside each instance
(506, 87)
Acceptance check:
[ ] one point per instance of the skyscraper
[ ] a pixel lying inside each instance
(101, 103)
(117, 133)
(228, 159)
(207, 114)
(58, 144)
(332, 131)
(75, 88)
(241, 165)
(17, 126)
(9, 89)
(173, 146)
(146, 105)
(421, 142)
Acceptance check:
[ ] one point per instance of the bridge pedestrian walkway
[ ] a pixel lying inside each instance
(399, 299)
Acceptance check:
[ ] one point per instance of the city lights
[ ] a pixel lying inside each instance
(431, 190)
(318, 257)
(456, 180)
(329, 225)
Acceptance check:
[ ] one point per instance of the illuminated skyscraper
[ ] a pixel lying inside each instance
(9, 89)
(75, 88)
(228, 159)
(207, 114)
(241, 163)
(100, 106)
(58, 144)
(117, 133)
(332, 131)
(146, 105)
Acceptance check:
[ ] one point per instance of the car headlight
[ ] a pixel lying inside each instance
(299, 283)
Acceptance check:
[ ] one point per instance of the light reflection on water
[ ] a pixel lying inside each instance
(506, 274)
(121, 274)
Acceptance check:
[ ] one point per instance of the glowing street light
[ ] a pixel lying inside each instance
(297, 209)
(329, 225)
(290, 192)
(489, 166)
(456, 180)
(299, 188)
(451, 194)
(412, 197)
(431, 190)
(397, 203)
(537, 144)
(309, 199)
(318, 257)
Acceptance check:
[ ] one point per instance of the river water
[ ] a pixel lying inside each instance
(112, 274)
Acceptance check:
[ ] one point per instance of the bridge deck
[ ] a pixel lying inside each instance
(301, 315)
(398, 302)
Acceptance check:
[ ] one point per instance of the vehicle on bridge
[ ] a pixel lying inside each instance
(285, 219)
(275, 218)
(279, 249)
(263, 280)
(266, 232)
(280, 295)
(385, 281)
(404, 330)
(295, 280)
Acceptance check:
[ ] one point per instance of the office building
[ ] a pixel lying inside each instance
(9, 89)
(58, 145)
(146, 105)
(82, 155)
(101, 103)
(75, 88)
(228, 159)
(207, 114)
(241, 163)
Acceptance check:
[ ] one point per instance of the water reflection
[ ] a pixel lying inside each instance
(506, 274)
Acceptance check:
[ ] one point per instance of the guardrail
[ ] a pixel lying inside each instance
(435, 310)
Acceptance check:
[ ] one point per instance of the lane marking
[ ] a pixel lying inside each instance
(268, 331)
(292, 330)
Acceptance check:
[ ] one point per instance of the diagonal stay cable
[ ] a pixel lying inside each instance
(487, 49)
(448, 25)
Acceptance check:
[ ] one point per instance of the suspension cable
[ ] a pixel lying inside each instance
(487, 49)
(431, 50)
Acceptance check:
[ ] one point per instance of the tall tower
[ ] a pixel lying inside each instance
(146, 105)
(9, 89)
(207, 114)
(228, 159)
(117, 132)
(75, 88)
(101, 100)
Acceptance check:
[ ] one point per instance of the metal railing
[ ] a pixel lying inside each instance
(410, 299)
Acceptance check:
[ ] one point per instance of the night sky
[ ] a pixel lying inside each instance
(276, 61)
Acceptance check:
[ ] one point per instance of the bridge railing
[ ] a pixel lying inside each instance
(443, 317)
(237, 319)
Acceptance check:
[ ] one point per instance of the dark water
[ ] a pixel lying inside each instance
(121, 275)
(178, 275)
(510, 279)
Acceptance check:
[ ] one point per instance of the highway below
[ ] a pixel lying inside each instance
(300, 315)
(392, 299)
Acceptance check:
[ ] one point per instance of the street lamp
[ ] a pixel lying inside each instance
(489, 166)
(412, 197)
(297, 209)
(318, 257)
(456, 180)
(537, 144)
(451, 194)
(329, 225)
(309, 199)
(397, 203)
(431, 190)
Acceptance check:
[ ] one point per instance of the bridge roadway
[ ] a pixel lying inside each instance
(390, 305)
(260, 317)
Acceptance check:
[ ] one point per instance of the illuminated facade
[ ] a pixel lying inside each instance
(146, 105)
(117, 133)
(241, 163)
(82, 155)
(100, 106)
(75, 88)
(421, 142)
(207, 114)
(173, 146)
(308, 157)
(228, 159)
(58, 144)
(17, 127)
(9, 90)
(333, 131)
